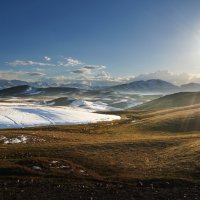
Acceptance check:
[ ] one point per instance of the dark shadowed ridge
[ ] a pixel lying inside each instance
(11, 83)
(26, 90)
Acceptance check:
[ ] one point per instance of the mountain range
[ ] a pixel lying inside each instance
(26, 90)
(153, 85)
(14, 87)
(12, 83)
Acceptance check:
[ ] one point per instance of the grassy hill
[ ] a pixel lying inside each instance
(171, 101)
(146, 155)
(182, 120)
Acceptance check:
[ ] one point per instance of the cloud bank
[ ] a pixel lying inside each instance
(165, 75)
(29, 63)
(66, 62)
(66, 67)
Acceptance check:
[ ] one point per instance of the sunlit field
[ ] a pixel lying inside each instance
(144, 153)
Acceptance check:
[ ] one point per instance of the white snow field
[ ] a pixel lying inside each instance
(93, 106)
(14, 115)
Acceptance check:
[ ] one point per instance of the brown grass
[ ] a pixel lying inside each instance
(163, 145)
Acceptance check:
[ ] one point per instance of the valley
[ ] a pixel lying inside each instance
(147, 154)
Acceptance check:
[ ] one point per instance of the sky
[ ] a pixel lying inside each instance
(108, 40)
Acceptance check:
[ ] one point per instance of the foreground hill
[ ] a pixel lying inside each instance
(172, 101)
(139, 157)
(174, 120)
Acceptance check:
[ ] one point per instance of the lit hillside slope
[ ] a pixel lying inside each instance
(172, 101)
(178, 112)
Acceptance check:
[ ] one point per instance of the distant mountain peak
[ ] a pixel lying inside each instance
(152, 85)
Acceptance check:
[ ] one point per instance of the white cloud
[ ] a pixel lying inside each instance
(89, 80)
(84, 75)
(35, 74)
(65, 62)
(165, 75)
(82, 71)
(8, 75)
(70, 62)
(90, 72)
(93, 67)
(47, 58)
(105, 76)
(29, 63)
(88, 69)
(21, 75)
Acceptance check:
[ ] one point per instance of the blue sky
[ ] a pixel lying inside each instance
(98, 38)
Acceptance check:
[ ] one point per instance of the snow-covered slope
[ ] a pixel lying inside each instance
(93, 106)
(24, 115)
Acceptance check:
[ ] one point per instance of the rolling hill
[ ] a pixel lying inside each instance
(190, 87)
(172, 101)
(155, 152)
(154, 156)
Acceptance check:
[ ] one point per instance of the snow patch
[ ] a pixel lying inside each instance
(17, 140)
(18, 116)
(93, 106)
(36, 168)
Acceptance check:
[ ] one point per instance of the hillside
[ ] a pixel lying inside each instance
(138, 157)
(171, 101)
(190, 87)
